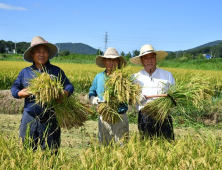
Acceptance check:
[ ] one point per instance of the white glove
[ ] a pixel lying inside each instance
(142, 98)
(94, 100)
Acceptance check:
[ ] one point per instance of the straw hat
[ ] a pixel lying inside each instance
(146, 49)
(110, 53)
(37, 40)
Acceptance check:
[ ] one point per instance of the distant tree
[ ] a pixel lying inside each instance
(20, 51)
(135, 53)
(66, 52)
(122, 54)
(60, 53)
(129, 55)
(99, 52)
(171, 55)
(216, 51)
(200, 56)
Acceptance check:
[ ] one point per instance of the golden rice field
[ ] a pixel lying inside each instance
(191, 150)
(81, 75)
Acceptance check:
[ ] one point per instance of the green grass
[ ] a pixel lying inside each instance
(196, 146)
(192, 149)
(199, 64)
(182, 62)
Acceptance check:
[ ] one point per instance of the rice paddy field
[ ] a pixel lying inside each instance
(196, 146)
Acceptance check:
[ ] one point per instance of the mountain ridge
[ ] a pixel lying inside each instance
(78, 48)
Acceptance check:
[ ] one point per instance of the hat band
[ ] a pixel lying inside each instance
(147, 51)
(40, 43)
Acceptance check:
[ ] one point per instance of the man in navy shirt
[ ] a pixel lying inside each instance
(42, 128)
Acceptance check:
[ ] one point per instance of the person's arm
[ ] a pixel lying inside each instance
(68, 87)
(17, 89)
(92, 89)
(93, 96)
(158, 95)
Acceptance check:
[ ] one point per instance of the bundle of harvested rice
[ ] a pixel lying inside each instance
(119, 86)
(119, 90)
(45, 88)
(70, 111)
(193, 90)
(109, 112)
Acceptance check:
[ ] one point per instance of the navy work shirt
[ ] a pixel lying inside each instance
(22, 82)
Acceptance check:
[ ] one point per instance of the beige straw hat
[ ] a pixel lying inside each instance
(37, 40)
(110, 53)
(146, 49)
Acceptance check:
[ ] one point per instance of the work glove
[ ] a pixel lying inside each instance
(142, 98)
(122, 109)
(94, 100)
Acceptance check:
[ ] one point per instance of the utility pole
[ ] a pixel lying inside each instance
(106, 41)
(15, 47)
(99, 51)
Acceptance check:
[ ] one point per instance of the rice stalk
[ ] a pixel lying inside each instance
(119, 89)
(46, 89)
(119, 86)
(193, 90)
(71, 112)
(109, 112)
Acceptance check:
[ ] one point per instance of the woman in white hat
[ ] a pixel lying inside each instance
(42, 125)
(154, 81)
(108, 131)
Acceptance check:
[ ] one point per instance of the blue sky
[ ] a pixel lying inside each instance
(168, 25)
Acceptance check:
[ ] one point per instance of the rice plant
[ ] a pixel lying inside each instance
(191, 151)
(47, 89)
(119, 90)
(119, 86)
(71, 112)
(194, 90)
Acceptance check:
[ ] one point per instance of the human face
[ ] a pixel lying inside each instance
(111, 63)
(149, 62)
(40, 55)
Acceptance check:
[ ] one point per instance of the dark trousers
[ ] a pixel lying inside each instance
(148, 127)
(44, 132)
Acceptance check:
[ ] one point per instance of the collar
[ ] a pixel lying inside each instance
(47, 65)
(145, 73)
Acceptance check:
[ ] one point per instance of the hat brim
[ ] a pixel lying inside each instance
(53, 50)
(99, 61)
(159, 56)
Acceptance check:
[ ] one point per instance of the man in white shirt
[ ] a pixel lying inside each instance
(154, 81)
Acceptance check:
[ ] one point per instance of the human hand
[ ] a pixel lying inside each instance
(122, 109)
(142, 98)
(61, 97)
(94, 100)
(23, 93)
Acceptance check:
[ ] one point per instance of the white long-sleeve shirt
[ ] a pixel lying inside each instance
(155, 84)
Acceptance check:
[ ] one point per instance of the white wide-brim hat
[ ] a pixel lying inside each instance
(37, 40)
(146, 49)
(110, 53)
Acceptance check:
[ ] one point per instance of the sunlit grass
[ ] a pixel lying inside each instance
(195, 150)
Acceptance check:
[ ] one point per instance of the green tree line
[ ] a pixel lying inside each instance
(9, 46)
(214, 51)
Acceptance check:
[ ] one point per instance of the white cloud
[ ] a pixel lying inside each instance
(9, 7)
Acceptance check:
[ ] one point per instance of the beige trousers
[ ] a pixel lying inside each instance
(110, 131)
